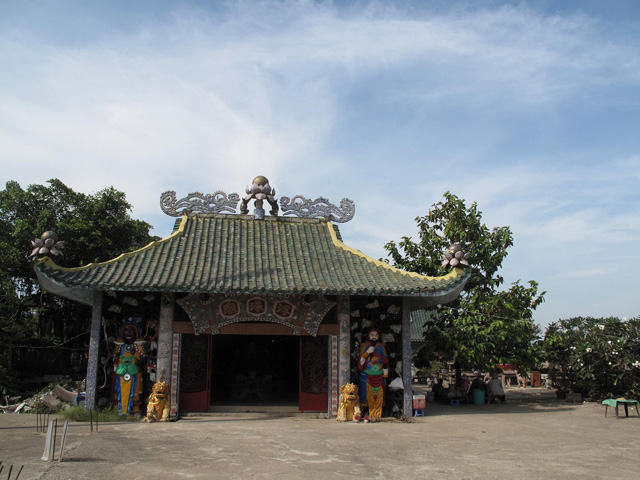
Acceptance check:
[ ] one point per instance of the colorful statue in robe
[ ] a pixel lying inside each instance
(374, 369)
(128, 353)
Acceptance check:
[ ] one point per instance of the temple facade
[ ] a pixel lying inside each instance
(246, 312)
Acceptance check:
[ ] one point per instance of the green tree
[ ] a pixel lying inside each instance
(18, 323)
(597, 357)
(95, 228)
(485, 326)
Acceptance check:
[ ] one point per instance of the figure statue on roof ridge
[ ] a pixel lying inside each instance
(260, 190)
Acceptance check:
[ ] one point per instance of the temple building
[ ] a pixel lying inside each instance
(246, 312)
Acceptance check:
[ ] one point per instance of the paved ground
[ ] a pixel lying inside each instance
(533, 436)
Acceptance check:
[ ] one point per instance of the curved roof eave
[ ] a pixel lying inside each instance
(417, 299)
(77, 294)
(417, 302)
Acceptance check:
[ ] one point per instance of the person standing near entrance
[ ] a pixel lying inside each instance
(374, 369)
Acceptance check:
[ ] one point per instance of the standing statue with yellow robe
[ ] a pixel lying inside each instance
(374, 369)
(128, 353)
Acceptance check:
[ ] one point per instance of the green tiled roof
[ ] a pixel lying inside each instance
(238, 254)
(418, 320)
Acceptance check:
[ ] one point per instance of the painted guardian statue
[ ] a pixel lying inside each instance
(374, 369)
(128, 354)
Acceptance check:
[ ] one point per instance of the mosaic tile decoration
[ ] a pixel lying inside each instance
(215, 311)
(175, 375)
(334, 374)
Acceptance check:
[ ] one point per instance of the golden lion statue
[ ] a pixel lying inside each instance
(349, 409)
(159, 402)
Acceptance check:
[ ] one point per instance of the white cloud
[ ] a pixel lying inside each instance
(506, 106)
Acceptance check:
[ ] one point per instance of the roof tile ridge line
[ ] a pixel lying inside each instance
(48, 261)
(200, 273)
(456, 272)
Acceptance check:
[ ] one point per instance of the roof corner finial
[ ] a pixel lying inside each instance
(260, 190)
(47, 244)
(455, 257)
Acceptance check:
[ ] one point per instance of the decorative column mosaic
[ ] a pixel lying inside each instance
(333, 368)
(407, 378)
(165, 337)
(175, 375)
(344, 344)
(94, 348)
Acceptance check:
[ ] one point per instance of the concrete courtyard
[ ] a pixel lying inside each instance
(533, 436)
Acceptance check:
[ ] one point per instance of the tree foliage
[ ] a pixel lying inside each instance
(485, 326)
(95, 228)
(597, 357)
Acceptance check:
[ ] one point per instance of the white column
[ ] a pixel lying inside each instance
(94, 351)
(344, 343)
(407, 378)
(165, 338)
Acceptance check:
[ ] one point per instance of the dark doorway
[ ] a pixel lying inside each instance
(255, 371)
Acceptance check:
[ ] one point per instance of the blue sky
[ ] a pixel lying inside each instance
(531, 109)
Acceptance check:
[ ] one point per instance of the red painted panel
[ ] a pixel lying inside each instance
(314, 374)
(310, 402)
(194, 402)
(196, 397)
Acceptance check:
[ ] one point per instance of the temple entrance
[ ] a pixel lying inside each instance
(279, 373)
(258, 372)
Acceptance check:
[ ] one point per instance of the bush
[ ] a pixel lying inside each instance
(80, 414)
(597, 357)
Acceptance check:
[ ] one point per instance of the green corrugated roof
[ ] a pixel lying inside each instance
(238, 254)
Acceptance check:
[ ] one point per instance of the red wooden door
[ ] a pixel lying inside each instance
(195, 373)
(314, 374)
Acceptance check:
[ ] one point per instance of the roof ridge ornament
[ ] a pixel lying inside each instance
(455, 257)
(196, 202)
(318, 208)
(260, 190)
(47, 244)
(199, 204)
